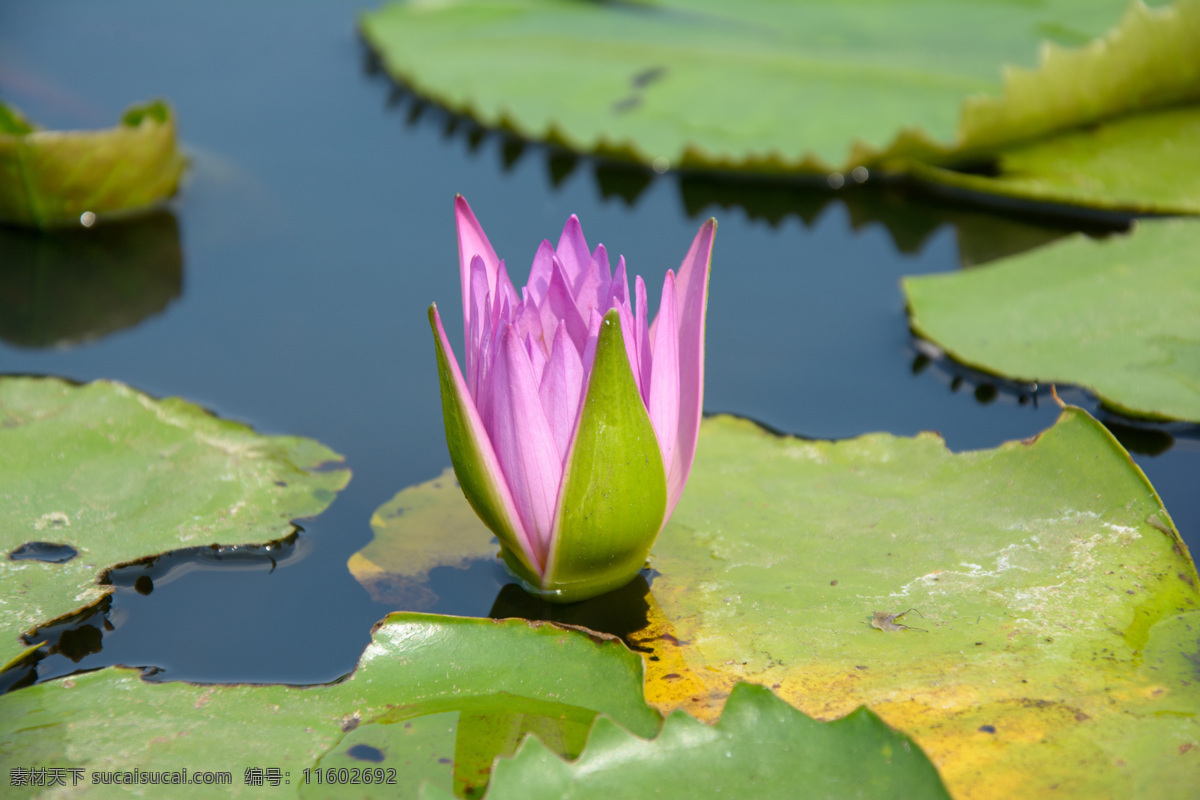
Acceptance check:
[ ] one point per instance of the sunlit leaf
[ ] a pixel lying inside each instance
(1148, 163)
(1027, 602)
(51, 178)
(1120, 316)
(119, 476)
(397, 713)
(1038, 575)
(781, 86)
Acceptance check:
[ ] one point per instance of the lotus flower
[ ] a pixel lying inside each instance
(573, 428)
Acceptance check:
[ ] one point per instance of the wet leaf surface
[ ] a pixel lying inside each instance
(1120, 316)
(118, 476)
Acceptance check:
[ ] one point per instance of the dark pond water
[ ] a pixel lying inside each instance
(287, 287)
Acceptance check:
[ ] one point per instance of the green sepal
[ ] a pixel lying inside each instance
(614, 493)
(470, 457)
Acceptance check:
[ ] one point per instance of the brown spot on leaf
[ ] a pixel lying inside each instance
(884, 621)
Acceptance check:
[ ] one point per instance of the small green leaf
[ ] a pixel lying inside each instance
(119, 476)
(761, 747)
(614, 493)
(50, 178)
(1120, 316)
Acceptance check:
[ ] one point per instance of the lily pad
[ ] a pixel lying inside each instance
(770, 86)
(69, 286)
(761, 747)
(119, 476)
(422, 527)
(1148, 163)
(395, 716)
(1034, 577)
(51, 178)
(1120, 316)
(1016, 610)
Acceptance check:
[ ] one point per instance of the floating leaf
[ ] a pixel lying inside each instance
(119, 476)
(770, 86)
(397, 712)
(762, 747)
(1119, 316)
(64, 287)
(1043, 574)
(1041, 571)
(50, 178)
(422, 527)
(1149, 163)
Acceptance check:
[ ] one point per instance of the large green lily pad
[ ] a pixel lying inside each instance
(1120, 316)
(782, 86)
(1148, 163)
(1035, 578)
(51, 178)
(761, 747)
(401, 712)
(1048, 598)
(120, 476)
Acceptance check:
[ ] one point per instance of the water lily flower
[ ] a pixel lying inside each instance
(573, 427)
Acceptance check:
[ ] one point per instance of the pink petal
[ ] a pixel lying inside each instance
(562, 390)
(524, 444)
(600, 259)
(560, 305)
(537, 358)
(539, 273)
(491, 464)
(573, 252)
(664, 379)
(503, 294)
(471, 242)
(691, 286)
(477, 321)
(642, 338)
(618, 290)
(593, 337)
(588, 291)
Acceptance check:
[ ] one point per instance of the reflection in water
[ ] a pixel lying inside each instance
(64, 287)
(1143, 437)
(910, 214)
(67, 641)
(620, 613)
